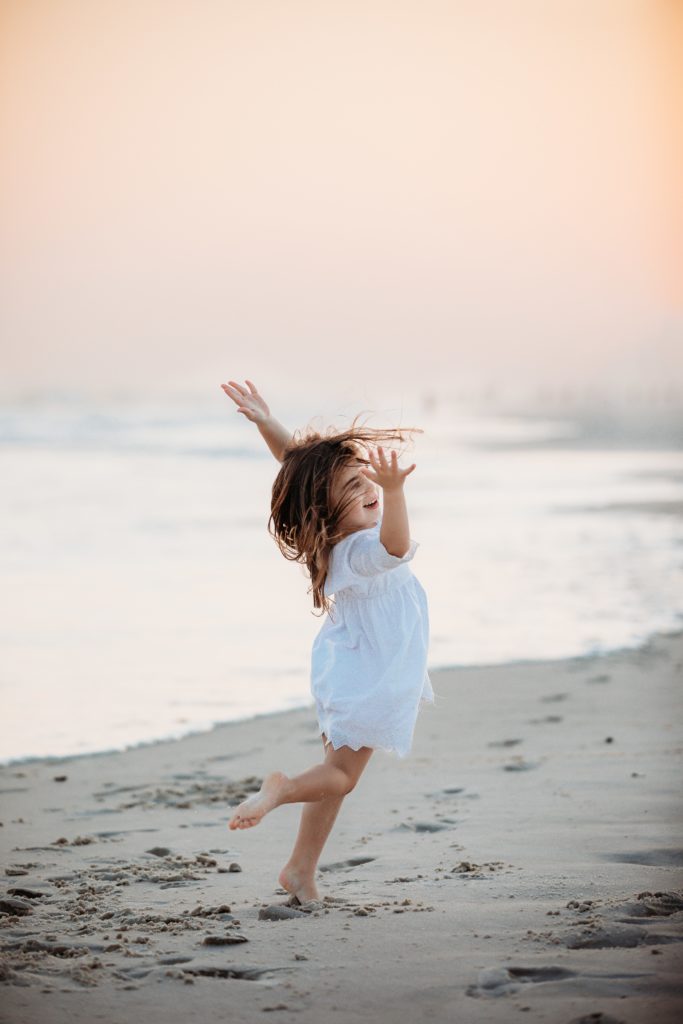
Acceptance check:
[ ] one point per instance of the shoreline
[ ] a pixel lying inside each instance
(310, 706)
(526, 856)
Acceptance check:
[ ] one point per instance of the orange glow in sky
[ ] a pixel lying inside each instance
(191, 192)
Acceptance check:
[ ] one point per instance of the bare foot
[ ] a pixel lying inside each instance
(251, 810)
(304, 888)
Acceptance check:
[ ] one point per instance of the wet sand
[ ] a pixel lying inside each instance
(526, 858)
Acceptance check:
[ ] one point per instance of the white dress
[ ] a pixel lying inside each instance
(369, 661)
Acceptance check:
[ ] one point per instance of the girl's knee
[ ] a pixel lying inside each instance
(350, 763)
(350, 784)
(353, 775)
(345, 780)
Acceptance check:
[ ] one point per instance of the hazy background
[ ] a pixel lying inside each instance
(478, 195)
(464, 215)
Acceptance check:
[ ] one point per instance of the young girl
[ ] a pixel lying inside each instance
(369, 664)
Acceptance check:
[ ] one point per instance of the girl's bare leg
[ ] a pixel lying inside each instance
(317, 819)
(334, 778)
(298, 874)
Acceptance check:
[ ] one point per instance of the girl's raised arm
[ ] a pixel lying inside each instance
(395, 531)
(255, 409)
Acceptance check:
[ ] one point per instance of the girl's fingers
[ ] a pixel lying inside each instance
(238, 387)
(252, 387)
(231, 393)
(382, 467)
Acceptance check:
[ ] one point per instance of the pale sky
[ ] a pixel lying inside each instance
(334, 190)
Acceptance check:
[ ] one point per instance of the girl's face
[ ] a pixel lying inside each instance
(352, 485)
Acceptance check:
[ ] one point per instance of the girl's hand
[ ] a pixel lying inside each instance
(248, 402)
(388, 476)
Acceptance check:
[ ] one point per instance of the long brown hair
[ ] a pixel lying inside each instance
(303, 520)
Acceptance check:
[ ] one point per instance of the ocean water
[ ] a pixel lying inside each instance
(142, 597)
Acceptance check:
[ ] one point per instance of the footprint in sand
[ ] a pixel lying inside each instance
(625, 924)
(345, 865)
(670, 857)
(14, 906)
(596, 1018)
(28, 894)
(185, 791)
(280, 912)
(235, 754)
(423, 826)
(454, 791)
(439, 794)
(651, 905)
(246, 973)
(294, 907)
(504, 743)
(519, 764)
(504, 981)
(615, 936)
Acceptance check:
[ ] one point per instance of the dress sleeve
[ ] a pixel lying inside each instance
(360, 555)
(368, 556)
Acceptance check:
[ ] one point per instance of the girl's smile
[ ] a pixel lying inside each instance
(363, 511)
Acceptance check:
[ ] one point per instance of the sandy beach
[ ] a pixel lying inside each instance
(526, 858)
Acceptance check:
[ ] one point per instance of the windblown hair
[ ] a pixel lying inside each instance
(304, 521)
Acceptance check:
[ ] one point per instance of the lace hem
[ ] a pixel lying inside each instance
(336, 740)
